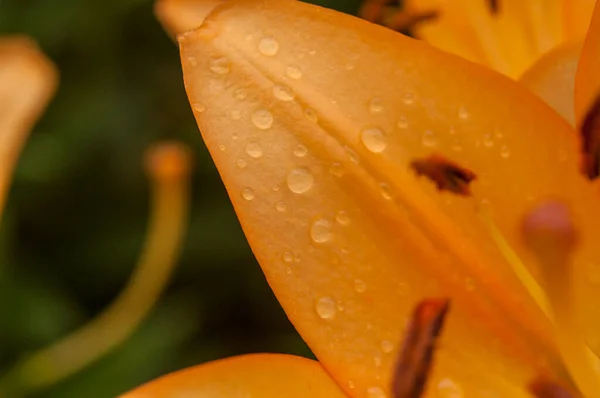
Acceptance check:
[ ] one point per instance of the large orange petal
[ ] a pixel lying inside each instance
(552, 77)
(313, 144)
(587, 83)
(258, 375)
(27, 81)
(577, 17)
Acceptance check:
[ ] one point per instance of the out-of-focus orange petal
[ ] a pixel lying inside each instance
(178, 16)
(27, 81)
(314, 146)
(577, 14)
(587, 82)
(552, 77)
(257, 375)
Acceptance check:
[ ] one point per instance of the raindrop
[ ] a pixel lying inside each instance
(375, 392)
(248, 194)
(288, 257)
(463, 113)
(387, 346)
(240, 93)
(241, 163)
(220, 66)
(342, 217)
(505, 152)
(326, 308)
(254, 150)
(262, 119)
(198, 106)
(268, 46)
(374, 139)
(447, 388)
(428, 139)
(360, 286)
(293, 72)
(376, 105)
(283, 93)
(300, 180)
(280, 206)
(236, 115)
(352, 156)
(234, 136)
(336, 169)
(386, 191)
(351, 385)
(488, 140)
(222, 148)
(311, 115)
(377, 361)
(320, 231)
(192, 60)
(300, 151)
(408, 99)
(402, 123)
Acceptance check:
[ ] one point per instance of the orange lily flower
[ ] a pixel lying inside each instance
(371, 171)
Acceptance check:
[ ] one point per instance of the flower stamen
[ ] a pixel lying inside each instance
(544, 388)
(590, 135)
(550, 234)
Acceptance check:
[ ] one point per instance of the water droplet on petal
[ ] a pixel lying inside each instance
(387, 346)
(220, 66)
(374, 139)
(351, 385)
(447, 388)
(311, 115)
(488, 140)
(300, 180)
(280, 206)
(402, 123)
(293, 72)
(320, 231)
(236, 115)
(376, 105)
(254, 150)
(408, 99)
(505, 152)
(300, 151)
(198, 106)
(222, 148)
(360, 286)
(352, 155)
(241, 163)
(336, 169)
(386, 191)
(428, 139)
(375, 392)
(326, 308)
(377, 361)
(288, 257)
(342, 217)
(268, 46)
(240, 93)
(262, 119)
(283, 93)
(192, 60)
(248, 194)
(463, 113)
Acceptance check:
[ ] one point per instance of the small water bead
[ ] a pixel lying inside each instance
(288, 270)
(456, 146)
(377, 361)
(336, 169)
(275, 188)
(387, 346)
(234, 136)
(300, 180)
(241, 163)
(351, 385)
(386, 191)
(375, 392)
(352, 155)
(463, 113)
(342, 217)
(374, 139)
(222, 148)
(293, 72)
(254, 150)
(408, 99)
(235, 115)
(402, 123)
(198, 106)
(447, 388)
(288, 257)
(220, 66)
(240, 93)
(192, 60)
(248, 194)
(268, 46)
(320, 231)
(488, 140)
(283, 93)
(311, 115)
(300, 151)
(505, 152)
(326, 308)
(280, 206)
(360, 286)
(376, 105)
(262, 119)
(428, 139)
(349, 66)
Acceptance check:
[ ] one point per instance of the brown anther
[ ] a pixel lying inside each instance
(388, 13)
(168, 160)
(544, 388)
(447, 175)
(494, 6)
(590, 135)
(415, 361)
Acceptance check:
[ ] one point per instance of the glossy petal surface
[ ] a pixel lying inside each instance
(314, 145)
(587, 85)
(27, 81)
(259, 375)
(552, 77)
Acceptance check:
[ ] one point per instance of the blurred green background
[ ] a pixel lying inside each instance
(78, 207)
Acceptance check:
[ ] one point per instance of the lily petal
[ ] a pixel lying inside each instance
(552, 77)
(260, 375)
(315, 145)
(577, 17)
(587, 83)
(178, 16)
(27, 81)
